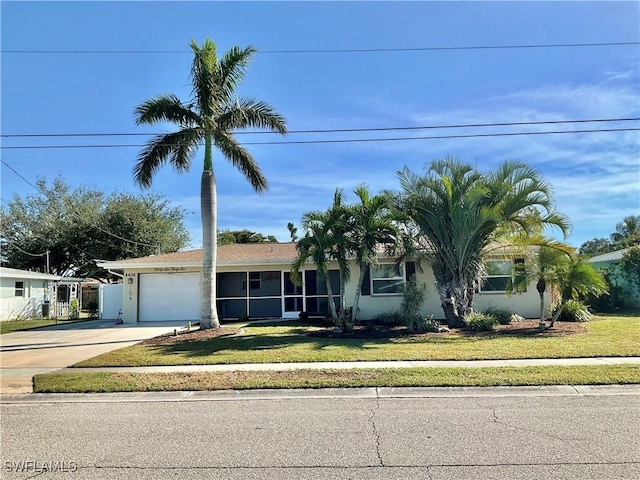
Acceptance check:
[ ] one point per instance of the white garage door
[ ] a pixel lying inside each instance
(169, 297)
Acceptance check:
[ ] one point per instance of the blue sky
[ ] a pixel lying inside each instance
(595, 176)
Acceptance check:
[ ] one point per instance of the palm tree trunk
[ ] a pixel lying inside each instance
(541, 286)
(208, 205)
(447, 303)
(356, 300)
(461, 308)
(557, 314)
(332, 303)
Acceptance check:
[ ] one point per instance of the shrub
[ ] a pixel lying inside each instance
(391, 318)
(480, 322)
(574, 311)
(412, 300)
(502, 315)
(92, 307)
(74, 309)
(422, 323)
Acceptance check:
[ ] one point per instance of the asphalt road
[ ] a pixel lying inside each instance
(498, 434)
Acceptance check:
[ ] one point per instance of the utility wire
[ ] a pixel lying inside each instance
(350, 140)
(337, 130)
(13, 245)
(333, 50)
(77, 213)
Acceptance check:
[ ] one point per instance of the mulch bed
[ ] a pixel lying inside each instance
(192, 336)
(525, 328)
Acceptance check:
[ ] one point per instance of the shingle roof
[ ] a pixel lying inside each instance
(608, 257)
(233, 253)
(15, 273)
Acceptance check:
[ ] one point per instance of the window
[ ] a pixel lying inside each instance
(387, 279)
(504, 274)
(19, 291)
(254, 280)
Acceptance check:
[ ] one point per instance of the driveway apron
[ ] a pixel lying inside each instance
(24, 354)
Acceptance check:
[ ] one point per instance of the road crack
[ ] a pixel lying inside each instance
(376, 434)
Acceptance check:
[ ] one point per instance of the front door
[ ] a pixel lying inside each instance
(292, 298)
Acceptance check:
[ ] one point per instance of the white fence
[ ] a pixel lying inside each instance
(110, 300)
(19, 307)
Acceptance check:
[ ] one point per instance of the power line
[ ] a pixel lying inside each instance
(336, 130)
(350, 140)
(333, 50)
(76, 212)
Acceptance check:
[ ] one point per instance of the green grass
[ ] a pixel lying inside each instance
(389, 377)
(276, 343)
(20, 325)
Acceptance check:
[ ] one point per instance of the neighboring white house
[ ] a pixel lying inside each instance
(23, 293)
(253, 280)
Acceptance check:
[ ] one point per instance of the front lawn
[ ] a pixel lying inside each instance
(290, 342)
(384, 377)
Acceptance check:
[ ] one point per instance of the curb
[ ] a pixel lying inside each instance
(326, 393)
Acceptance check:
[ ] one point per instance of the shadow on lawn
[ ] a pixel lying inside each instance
(324, 340)
(256, 343)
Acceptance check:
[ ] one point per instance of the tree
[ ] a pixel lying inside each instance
(317, 245)
(595, 246)
(627, 234)
(226, 237)
(211, 116)
(627, 231)
(79, 226)
(576, 279)
(630, 267)
(547, 261)
(458, 210)
(372, 222)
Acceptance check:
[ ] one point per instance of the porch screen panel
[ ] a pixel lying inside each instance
(265, 307)
(231, 284)
(264, 284)
(316, 285)
(321, 304)
(232, 308)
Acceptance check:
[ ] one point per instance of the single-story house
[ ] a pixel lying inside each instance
(611, 261)
(253, 280)
(23, 293)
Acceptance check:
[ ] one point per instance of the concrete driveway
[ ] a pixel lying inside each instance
(24, 354)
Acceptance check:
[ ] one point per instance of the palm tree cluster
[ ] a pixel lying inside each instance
(345, 232)
(570, 277)
(460, 211)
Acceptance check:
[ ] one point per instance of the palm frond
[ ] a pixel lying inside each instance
(250, 113)
(233, 66)
(178, 147)
(205, 78)
(241, 159)
(166, 108)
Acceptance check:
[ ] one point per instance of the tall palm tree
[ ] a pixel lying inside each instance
(210, 116)
(372, 223)
(458, 210)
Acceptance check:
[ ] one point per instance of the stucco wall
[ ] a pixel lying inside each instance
(526, 304)
(28, 306)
